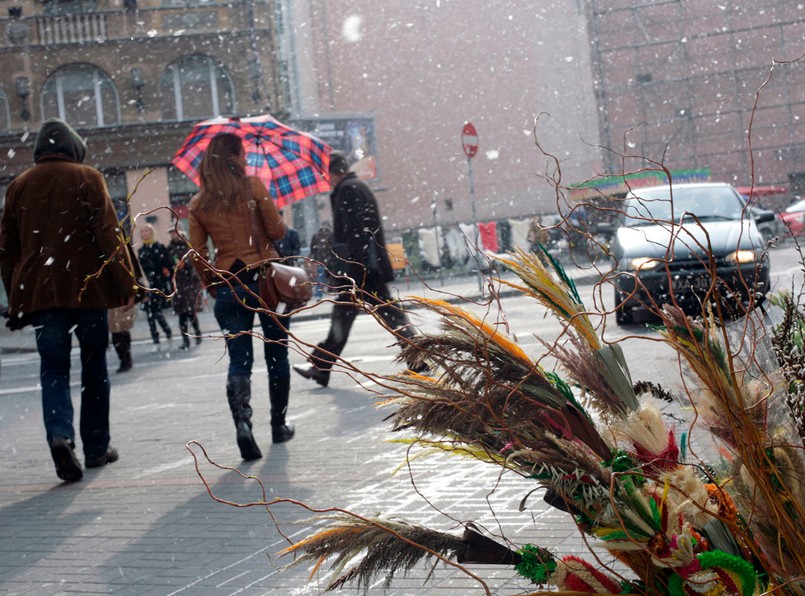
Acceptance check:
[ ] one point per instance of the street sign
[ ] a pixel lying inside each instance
(469, 140)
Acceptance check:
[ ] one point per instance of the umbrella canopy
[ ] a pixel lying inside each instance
(292, 164)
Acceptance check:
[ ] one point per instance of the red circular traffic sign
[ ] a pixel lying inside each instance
(469, 140)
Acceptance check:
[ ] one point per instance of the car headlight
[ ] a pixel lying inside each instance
(742, 256)
(643, 263)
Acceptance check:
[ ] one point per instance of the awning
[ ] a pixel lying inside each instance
(760, 191)
(619, 185)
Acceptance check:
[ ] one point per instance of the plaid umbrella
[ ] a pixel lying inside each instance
(292, 164)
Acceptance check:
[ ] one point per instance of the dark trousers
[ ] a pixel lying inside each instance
(343, 316)
(54, 329)
(185, 321)
(153, 313)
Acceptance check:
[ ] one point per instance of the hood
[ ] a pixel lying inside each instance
(57, 138)
(724, 237)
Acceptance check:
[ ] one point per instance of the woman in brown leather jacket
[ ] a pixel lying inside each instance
(221, 211)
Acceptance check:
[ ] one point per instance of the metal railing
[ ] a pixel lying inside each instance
(79, 28)
(107, 25)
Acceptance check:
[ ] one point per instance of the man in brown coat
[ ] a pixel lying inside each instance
(64, 262)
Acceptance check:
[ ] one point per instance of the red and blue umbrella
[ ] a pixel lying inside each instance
(291, 163)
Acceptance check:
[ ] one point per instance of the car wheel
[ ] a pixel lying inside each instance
(623, 312)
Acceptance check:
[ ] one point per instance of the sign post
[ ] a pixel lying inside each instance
(433, 206)
(469, 143)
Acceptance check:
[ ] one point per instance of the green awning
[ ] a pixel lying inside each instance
(606, 186)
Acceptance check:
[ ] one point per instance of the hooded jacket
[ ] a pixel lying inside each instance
(60, 241)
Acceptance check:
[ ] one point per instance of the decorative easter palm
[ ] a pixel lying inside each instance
(679, 527)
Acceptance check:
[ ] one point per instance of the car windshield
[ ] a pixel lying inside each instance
(706, 203)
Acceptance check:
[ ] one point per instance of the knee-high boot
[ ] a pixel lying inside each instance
(122, 342)
(239, 393)
(196, 328)
(278, 392)
(184, 331)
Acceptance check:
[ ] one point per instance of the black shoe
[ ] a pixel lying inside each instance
(110, 456)
(63, 454)
(423, 368)
(124, 367)
(198, 340)
(313, 373)
(282, 432)
(248, 446)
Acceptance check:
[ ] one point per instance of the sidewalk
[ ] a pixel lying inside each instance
(146, 525)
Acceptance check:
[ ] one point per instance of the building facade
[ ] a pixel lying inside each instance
(683, 82)
(132, 76)
(422, 68)
(558, 92)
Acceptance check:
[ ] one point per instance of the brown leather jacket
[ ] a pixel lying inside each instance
(60, 242)
(231, 232)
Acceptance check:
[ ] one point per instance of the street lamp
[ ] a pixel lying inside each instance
(23, 91)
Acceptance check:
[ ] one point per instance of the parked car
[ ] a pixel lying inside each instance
(768, 220)
(768, 223)
(794, 218)
(669, 247)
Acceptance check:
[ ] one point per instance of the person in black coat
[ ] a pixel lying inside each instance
(290, 246)
(157, 267)
(361, 262)
(321, 258)
(188, 289)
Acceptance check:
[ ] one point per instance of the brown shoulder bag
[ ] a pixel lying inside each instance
(279, 284)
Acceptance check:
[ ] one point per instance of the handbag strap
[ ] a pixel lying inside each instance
(259, 236)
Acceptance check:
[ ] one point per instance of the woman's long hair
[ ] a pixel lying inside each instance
(223, 178)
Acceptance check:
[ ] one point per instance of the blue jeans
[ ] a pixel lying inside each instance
(54, 328)
(237, 321)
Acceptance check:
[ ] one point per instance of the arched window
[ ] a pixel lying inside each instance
(82, 95)
(196, 87)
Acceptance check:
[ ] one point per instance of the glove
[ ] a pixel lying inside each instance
(17, 322)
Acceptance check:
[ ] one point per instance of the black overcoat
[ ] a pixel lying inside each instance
(188, 283)
(158, 269)
(358, 237)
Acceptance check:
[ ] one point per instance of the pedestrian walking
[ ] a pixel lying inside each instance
(188, 289)
(64, 262)
(289, 246)
(222, 211)
(121, 321)
(157, 267)
(321, 257)
(360, 256)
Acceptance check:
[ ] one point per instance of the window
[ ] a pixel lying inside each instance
(82, 95)
(5, 117)
(119, 191)
(180, 187)
(194, 88)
